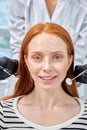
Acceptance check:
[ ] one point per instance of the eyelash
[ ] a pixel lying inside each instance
(57, 57)
(38, 58)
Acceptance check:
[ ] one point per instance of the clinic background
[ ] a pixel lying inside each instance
(5, 47)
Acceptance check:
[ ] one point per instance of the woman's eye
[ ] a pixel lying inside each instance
(37, 58)
(57, 57)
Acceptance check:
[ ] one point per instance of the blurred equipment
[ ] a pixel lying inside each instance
(69, 80)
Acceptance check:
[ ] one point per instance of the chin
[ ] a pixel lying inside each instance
(47, 87)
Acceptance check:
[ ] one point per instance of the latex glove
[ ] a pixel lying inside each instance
(7, 65)
(83, 77)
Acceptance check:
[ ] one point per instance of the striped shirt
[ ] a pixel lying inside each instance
(11, 119)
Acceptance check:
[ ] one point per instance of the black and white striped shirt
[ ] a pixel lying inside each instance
(11, 119)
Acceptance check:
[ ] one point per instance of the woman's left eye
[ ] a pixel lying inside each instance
(57, 57)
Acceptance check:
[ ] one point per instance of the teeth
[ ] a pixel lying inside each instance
(48, 78)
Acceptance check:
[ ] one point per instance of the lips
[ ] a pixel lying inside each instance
(47, 79)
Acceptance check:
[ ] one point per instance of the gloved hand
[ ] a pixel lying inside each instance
(7, 65)
(82, 78)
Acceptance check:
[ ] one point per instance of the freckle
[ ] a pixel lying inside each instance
(45, 29)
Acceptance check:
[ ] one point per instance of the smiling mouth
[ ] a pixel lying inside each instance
(47, 78)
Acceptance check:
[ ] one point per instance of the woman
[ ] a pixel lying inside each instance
(26, 13)
(42, 100)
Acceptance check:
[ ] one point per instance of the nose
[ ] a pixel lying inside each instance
(47, 67)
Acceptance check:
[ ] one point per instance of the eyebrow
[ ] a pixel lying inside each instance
(54, 52)
(37, 52)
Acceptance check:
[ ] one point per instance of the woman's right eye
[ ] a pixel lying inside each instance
(37, 58)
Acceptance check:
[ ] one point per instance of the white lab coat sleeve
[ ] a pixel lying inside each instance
(83, 3)
(16, 26)
(81, 44)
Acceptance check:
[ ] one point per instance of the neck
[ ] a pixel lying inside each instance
(48, 100)
(51, 4)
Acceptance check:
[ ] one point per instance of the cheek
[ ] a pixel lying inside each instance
(62, 74)
(62, 69)
(33, 69)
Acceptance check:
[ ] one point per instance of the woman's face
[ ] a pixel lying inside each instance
(47, 60)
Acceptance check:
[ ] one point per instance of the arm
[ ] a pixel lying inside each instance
(17, 32)
(81, 53)
(83, 3)
(16, 26)
(81, 44)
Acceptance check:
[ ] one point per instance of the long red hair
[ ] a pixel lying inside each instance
(25, 83)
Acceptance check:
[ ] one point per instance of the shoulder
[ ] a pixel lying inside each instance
(83, 110)
(19, 6)
(8, 116)
(4, 104)
(85, 105)
(6, 110)
(79, 6)
(21, 2)
(83, 118)
(78, 14)
(82, 3)
(7, 105)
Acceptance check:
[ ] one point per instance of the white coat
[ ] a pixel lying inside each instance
(68, 13)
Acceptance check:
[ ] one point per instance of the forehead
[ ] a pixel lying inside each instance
(45, 41)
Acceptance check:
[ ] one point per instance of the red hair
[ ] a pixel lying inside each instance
(25, 83)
